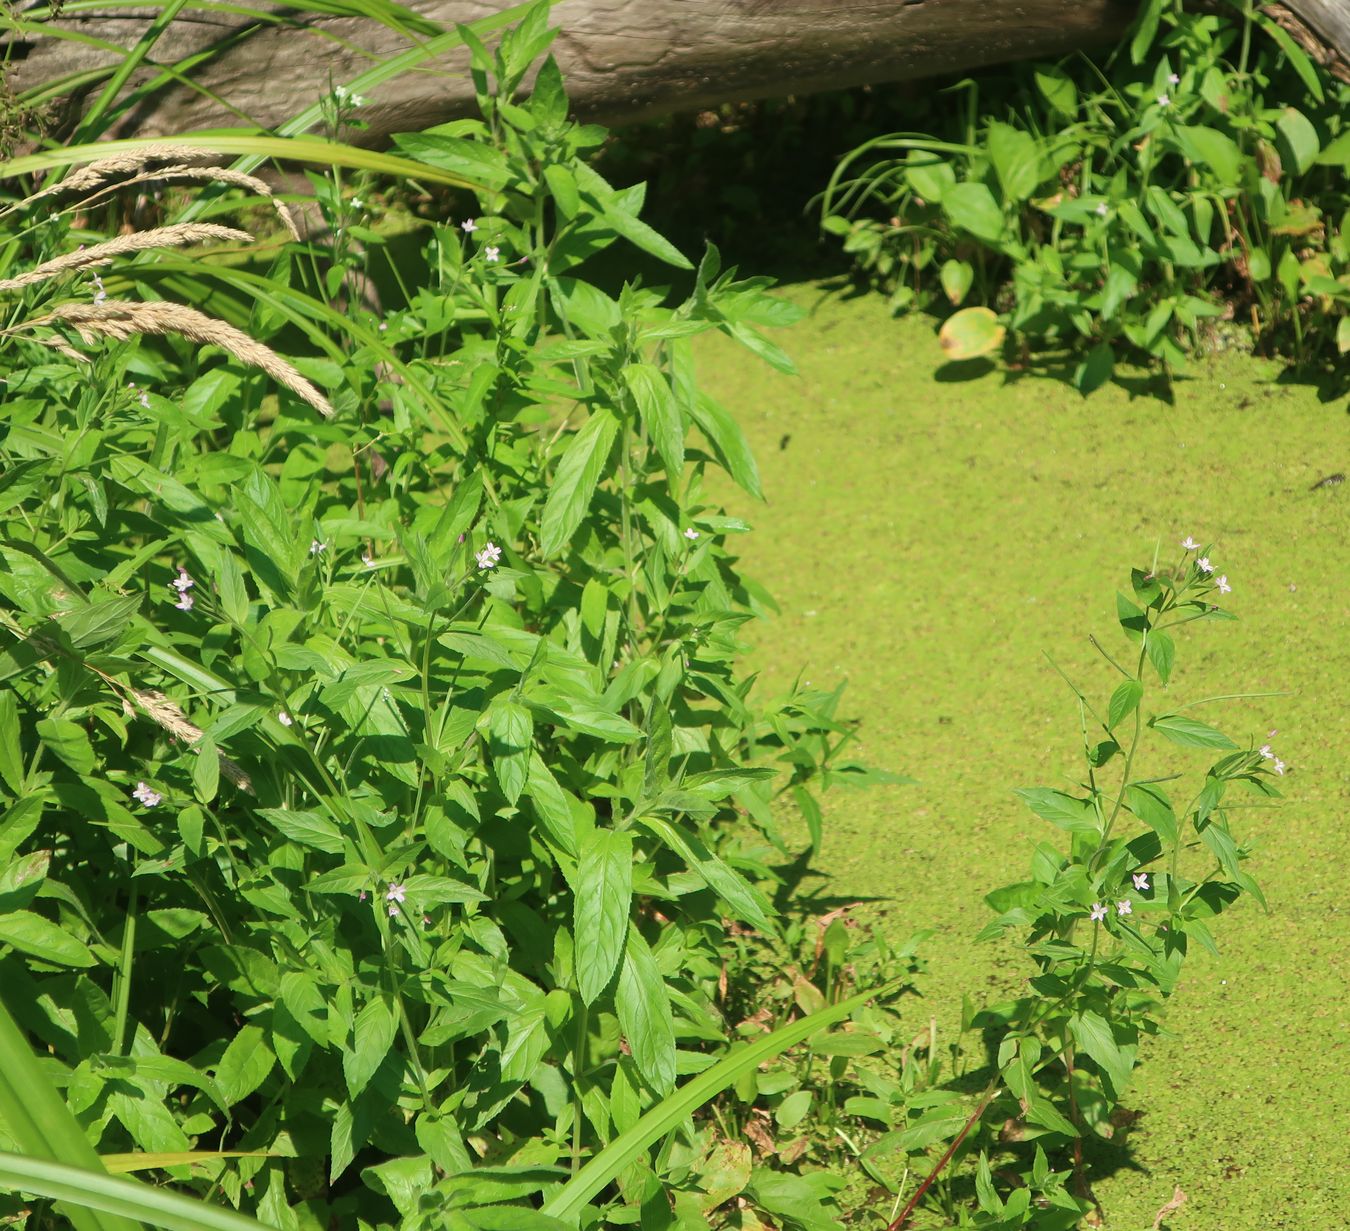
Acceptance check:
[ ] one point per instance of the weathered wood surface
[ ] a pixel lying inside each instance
(623, 59)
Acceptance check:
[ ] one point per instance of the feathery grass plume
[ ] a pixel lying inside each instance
(163, 711)
(211, 175)
(95, 174)
(122, 319)
(175, 236)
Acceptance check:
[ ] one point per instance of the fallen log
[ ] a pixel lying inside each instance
(623, 59)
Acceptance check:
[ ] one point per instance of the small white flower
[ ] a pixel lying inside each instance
(1164, 101)
(1279, 766)
(1173, 78)
(395, 894)
(491, 253)
(384, 325)
(99, 293)
(185, 601)
(1204, 565)
(1266, 752)
(183, 582)
(358, 204)
(367, 559)
(1102, 210)
(1140, 880)
(1224, 587)
(317, 548)
(393, 910)
(146, 795)
(691, 534)
(1190, 544)
(1098, 911)
(284, 718)
(1123, 907)
(468, 226)
(489, 556)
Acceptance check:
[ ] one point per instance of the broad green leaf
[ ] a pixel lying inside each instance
(1190, 732)
(69, 742)
(206, 769)
(307, 828)
(1095, 370)
(42, 939)
(1093, 1034)
(372, 1037)
(245, 1065)
(1075, 815)
(792, 1110)
(1145, 29)
(1017, 160)
(604, 892)
(1213, 149)
(660, 414)
(1152, 806)
(1161, 653)
(1299, 146)
(1058, 89)
(511, 741)
(1123, 702)
(970, 333)
(574, 482)
(956, 277)
(645, 1016)
(971, 206)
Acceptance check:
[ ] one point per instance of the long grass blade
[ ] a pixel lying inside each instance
(667, 1115)
(122, 1199)
(251, 145)
(40, 1122)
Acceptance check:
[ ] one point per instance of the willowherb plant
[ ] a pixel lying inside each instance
(1152, 857)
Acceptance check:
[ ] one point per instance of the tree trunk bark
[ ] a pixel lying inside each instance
(622, 59)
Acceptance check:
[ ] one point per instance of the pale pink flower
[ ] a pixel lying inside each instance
(1224, 587)
(1266, 752)
(1204, 565)
(468, 226)
(691, 534)
(396, 893)
(393, 910)
(1173, 78)
(183, 582)
(1140, 880)
(1164, 101)
(489, 557)
(146, 795)
(1189, 543)
(185, 601)
(361, 897)
(1098, 911)
(1123, 907)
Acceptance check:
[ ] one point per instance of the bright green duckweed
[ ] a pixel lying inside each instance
(928, 539)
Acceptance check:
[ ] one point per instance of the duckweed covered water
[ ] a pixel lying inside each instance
(928, 540)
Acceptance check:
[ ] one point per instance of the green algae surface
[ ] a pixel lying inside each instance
(930, 539)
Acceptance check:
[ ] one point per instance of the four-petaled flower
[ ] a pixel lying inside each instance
(396, 893)
(491, 253)
(1173, 78)
(1164, 101)
(284, 718)
(1123, 907)
(1102, 209)
(1098, 910)
(468, 226)
(1204, 565)
(1189, 543)
(489, 556)
(146, 795)
(1266, 752)
(691, 534)
(1279, 766)
(1140, 880)
(1224, 587)
(347, 98)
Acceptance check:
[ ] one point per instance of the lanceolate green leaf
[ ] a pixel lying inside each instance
(603, 897)
(1189, 732)
(671, 1112)
(644, 1014)
(574, 483)
(660, 414)
(115, 1200)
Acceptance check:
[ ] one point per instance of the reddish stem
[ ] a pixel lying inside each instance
(913, 1202)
